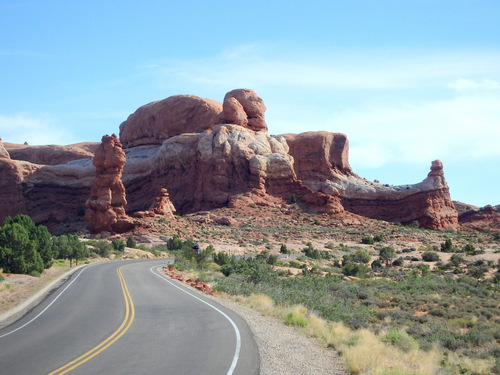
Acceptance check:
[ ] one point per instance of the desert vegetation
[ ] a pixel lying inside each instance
(392, 299)
(386, 306)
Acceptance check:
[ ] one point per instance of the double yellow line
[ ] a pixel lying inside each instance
(127, 322)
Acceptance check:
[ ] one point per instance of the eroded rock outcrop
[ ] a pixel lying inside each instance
(484, 218)
(106, 205)
(152, 123)
(162, 204)
(51, 154)
(244, 107)
(427, 202)
(11, 194)
(208, 155)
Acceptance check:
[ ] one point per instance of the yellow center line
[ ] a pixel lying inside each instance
(127, 322)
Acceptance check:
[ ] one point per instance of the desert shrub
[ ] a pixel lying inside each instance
(430, 256)
(378, 238)
(118, 245)
(330, 245)
(386, 255)
(272, 259)
(311, 252)
(360, 256)
(294, 264)
(174, 243)
(355, 269)
(101, 247)
(398, 262)
(447, 246)
(297, 317)
(456, 260)
(131, 242)
(469, 249)
(284, 250)
(400, 339)
(367, 240)
(221, 258)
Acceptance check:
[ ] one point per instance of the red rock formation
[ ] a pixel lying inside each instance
(152, 123)
(319, 155)
(427, 203)
(244, 107)
(210, 155)
(48, 155)
(11, 194)
(484, 218)
(105, 207)
(162, 204)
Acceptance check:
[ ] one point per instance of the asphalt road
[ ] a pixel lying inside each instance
(127, 318)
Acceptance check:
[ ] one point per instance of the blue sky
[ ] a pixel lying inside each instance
(407, 81)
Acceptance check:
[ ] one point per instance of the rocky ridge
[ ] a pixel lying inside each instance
(209, 155)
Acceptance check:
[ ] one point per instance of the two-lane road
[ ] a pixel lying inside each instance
(127, 318)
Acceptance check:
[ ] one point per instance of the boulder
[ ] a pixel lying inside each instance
(155, 122)
(244, 107)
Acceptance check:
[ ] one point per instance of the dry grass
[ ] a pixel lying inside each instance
(364, 352)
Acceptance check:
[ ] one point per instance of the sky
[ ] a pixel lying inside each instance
(407, 81)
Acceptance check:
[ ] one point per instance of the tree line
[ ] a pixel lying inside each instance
(29, 248)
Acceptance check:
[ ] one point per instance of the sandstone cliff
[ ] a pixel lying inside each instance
(208, 155)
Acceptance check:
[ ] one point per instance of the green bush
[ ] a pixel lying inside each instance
(101, 248)
(118, 245)
(355, 269)
(131, 242)
(284, 250)
(368, 240)
(221, 258)
(360, 256)
(400, 339)
(470, 249)
(430, 256)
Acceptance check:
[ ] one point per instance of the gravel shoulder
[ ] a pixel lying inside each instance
(283, 350)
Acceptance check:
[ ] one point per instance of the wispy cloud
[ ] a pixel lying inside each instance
(266, 66)
(36, 131)
(409, 106)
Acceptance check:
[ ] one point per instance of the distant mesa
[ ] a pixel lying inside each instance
(187, 154)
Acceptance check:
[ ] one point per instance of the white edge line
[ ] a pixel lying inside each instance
(46, 308)
(235, 327)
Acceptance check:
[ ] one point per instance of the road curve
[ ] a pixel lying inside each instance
(127, 318)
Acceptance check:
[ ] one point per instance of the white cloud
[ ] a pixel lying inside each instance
(404, 106)
(271, 66)
(36, 131)
(462, 128)
(469, 84)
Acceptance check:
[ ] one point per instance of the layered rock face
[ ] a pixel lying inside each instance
(427, 203)
(484, 218)
(106, 205)
(11, 177)
(204, 155)
(51, 155)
